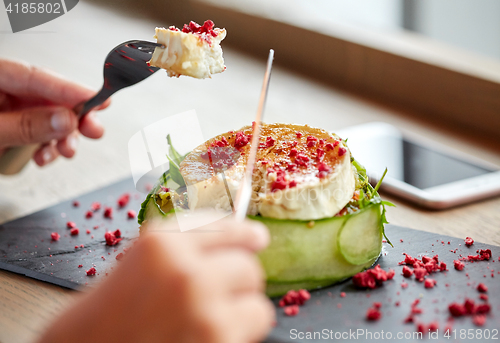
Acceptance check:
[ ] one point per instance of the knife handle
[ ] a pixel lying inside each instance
(14, 159)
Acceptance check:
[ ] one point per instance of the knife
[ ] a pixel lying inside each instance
(244, 193)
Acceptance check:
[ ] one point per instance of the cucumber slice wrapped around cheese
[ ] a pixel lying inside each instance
(302, 253)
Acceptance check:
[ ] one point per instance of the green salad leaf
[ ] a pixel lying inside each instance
(175, 159)
(174, 174)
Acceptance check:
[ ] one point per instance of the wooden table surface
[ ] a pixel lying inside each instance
(73, 47)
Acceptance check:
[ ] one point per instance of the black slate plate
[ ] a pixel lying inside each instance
(25, 243)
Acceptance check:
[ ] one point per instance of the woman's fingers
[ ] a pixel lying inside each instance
(254, 308)
(67, 146)
(249, 234)
(90, 126)
(36, 125)
(46, 153)
(238, 271)
(22, 79)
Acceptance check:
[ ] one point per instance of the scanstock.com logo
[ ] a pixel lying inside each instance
(24, 14)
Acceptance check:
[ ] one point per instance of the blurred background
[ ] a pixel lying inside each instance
(431, 66)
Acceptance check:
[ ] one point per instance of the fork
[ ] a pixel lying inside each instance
(125, 65)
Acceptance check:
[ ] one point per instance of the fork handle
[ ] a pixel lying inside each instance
(15, 159)
(86, 106)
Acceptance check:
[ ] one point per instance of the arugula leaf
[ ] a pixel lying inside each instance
(383, 221)
(175, 160)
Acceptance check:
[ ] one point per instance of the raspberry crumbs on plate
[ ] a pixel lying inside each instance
(131, 214)
(74, 232)
(55, 236)
(291, 310)
(96, 206)
(108, 212)
(430, 283)
(123, 200)
(373, 314)
(91, 272)
(469, 241)
(111, 239)
(70, 225)
(372, 278)
(458, 265)
(292, 297)
(482, 288)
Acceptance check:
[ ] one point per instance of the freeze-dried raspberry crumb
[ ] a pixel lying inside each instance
(96, 206)
(76, 203)
(88, 232)
(241, 140)
(479, 319)
(414, 310)
(293, 297)
(123, 200)
(89, 214)
(469, 241)
(426, 259)
(55, 236)
(407, 272)
(433, 326)
(404, 285)
(342, 294)
(482, 288)
(373, 314)
(108, 212)
(409, 260)
(483, 308)
(429, 283)
(131, 214)
(458, 265)
(483, 297)
(484, 255)
(80, 266)
(91, 271)
(111, 239)
(291, 310)
(117, 233)
(377, 304)
(420, 273)
(70, 225)
(420, 327)
(372, 277)
(303, 296)
(442, 266)
(119, 256)
(457, 310)
(74, 232)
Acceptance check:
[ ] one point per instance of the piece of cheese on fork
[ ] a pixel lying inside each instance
(193, 51)
(301, 173)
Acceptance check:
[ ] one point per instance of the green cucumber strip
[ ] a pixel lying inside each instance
(360, 238)
(298, 253)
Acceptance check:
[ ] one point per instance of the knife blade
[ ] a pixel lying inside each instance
(244, 193)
